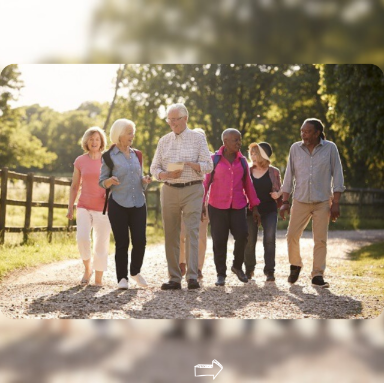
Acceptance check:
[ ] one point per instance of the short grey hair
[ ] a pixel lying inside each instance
(119, 127)
(180, 107)
(90, 132)
(228, 132)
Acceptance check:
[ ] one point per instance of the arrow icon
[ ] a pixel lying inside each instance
(214, 361)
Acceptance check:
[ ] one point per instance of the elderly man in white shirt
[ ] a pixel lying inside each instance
(182, 192)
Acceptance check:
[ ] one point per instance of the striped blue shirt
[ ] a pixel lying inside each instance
(315, 176)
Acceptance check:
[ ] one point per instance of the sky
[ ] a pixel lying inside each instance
(65, 86)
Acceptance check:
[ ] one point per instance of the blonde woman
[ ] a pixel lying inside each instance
(90, 206)
(127, 210)
(267, 181)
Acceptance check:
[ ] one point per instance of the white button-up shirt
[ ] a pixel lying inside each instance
(188, 146)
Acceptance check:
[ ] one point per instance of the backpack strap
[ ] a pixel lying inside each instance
(108, 161)
(217, 158)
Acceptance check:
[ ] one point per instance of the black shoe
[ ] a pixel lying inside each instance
(294, 275)
(220, 281)
(171, 285)
(270, 277)
(193, 284)
(318, 281)
(199, 274)
(249, 274)
(240, 274)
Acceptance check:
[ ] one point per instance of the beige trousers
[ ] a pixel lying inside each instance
(301, 213)
(175, 202)
(203, 231)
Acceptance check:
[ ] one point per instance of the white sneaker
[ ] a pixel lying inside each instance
(123, 284)
(139, 279)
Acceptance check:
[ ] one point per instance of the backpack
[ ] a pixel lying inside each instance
(108, 161)
(216, 159)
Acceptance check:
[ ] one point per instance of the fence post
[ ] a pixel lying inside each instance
(51, 200)
(3, 203)
(28, 208)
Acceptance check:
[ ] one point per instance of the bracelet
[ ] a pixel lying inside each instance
(285, 202)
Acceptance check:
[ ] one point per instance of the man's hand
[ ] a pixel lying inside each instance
(335, 211)
(256, 215)
(174, 175)
(194, 165)
(285, 208)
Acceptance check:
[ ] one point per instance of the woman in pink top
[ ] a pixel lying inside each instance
(90, 206)
(230, 189)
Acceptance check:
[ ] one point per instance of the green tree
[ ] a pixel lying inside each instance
(18, 147)
(355, 98)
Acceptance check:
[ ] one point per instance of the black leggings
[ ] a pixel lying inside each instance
(125, 220)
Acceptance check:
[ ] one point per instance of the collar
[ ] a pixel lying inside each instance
(182, 135)
(221, 150)
(322, 142)
(116, 150)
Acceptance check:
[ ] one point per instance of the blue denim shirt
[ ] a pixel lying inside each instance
(130, 192)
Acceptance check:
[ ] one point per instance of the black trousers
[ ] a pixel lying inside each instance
(125, 221)
(224, 221)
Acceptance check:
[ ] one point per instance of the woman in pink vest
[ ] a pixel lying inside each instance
(90, 206)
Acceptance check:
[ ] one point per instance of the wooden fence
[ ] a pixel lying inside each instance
(30, 180)
(369, 202)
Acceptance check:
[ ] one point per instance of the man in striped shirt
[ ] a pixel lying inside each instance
(182, 191)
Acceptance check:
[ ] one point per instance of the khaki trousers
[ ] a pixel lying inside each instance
(301, 213)
(174, 202)
(203, 231)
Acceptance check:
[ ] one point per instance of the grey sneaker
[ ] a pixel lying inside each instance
(318, 281)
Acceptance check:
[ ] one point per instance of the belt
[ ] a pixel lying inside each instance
(183, 185)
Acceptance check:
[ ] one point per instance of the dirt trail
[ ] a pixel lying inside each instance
(52, 291)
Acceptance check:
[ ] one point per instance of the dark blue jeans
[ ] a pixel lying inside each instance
(224, 221)
(269, 223)
(125, 221)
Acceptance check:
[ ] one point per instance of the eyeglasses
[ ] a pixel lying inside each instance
(173, 119)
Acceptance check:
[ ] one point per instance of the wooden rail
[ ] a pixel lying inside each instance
(30, 180)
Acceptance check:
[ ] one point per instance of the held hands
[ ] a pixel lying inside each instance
(274, 195)
(146, 179)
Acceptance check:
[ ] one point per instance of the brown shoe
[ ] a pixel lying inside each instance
(183, 269)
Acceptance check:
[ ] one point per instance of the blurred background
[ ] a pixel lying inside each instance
(170, 31)
(162, 351)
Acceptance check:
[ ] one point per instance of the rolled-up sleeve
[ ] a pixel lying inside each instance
(205, 159)
(156, 168)
(337, 171)
(104, 173)
(289, 174)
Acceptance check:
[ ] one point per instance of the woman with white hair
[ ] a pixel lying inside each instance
(127, 209)
(90, 206)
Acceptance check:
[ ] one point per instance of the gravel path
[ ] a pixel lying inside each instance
(52, 291)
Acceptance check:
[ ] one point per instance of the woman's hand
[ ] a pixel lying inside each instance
(146, 180)
(70, 213)
(111, 181)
